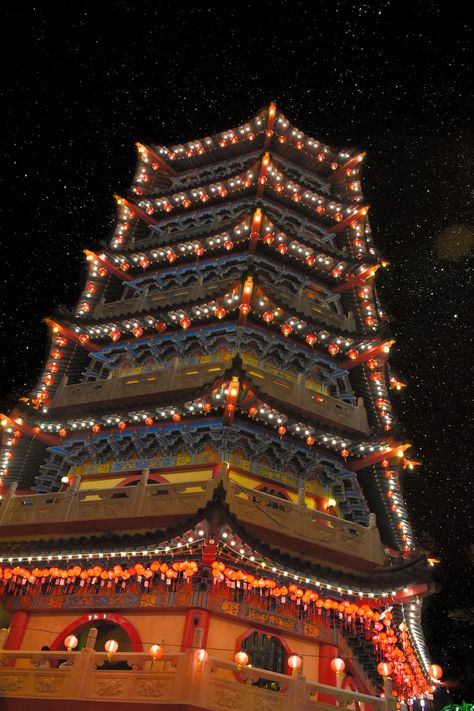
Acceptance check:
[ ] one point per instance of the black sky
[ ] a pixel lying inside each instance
(81, 84)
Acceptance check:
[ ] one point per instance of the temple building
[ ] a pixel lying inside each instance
(202, 502)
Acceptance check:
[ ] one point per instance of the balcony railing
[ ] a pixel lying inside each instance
(148, 501)
(176, 678)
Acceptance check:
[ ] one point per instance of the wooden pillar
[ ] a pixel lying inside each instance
(196, 627)
(18, 625)
(327, 652)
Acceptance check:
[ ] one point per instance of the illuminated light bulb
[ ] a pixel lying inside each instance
(156, 652)
(201, 656)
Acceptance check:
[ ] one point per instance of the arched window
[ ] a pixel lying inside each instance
(267, 652)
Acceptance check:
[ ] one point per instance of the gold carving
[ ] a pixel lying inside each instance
(147, 600)
(227, 699)
(231, 608)
(10, 683)
(47, 684)
(151, 688)
(109, 687)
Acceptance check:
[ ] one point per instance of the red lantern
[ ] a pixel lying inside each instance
(53, 368)
(62, 432)
(333, 349)
(281, 430)
(144, 262)
(282, 248)
(321, 210)
(268, 239)
(252, 411)
(311, 339)
(338, 665)
(295, 662)
(102, 272)
(384, 668)
(149, 421)
(57, 355)
(370, 321)
(137, 331)
(85, 307)
(84, 338)
(176, 417)
(286, 329)
(336, 272)
(241, 659)
(220, 313)
(171, 257)
(125, 266)
(228, 245)
(353, 354)
(160, 326)
(338, 216)
(435, 671)
(61, 341)
(244, 309)
(115, 335)
(96, 428)
(372, 364)
(156, 652)
(199, 251)
(207, 407)
(122, 425)
(185, 323)
(268, 316)
(310, 260)
(345, 453)
(321, 157)
(310, 441)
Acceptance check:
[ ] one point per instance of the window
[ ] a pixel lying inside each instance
(267, 652)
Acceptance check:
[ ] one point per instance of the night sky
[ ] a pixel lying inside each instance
(391, 78)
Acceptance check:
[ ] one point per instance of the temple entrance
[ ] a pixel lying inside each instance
(267, 652)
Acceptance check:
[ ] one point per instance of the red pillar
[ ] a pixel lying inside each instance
(16, 632)
(195, 620)
(327, 652)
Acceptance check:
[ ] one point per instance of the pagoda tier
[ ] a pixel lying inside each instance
(218, 402)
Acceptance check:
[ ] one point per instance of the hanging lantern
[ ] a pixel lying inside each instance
(176, 417)
(137, 331)
(71, 642)
(321, 210)
(84, 338)
(61, 341)
(102, 272)
(244, 309)
(370, 321)
(338, 665)
(310, 260)
(111, 647)
(125, 266)
(185, 323)
(311, 339)
(336, 272)
(372, 364)
(353, 354)
(282, 248)
(333, 349)
(201, 656)
(344, 453)
(268, 239)
(268, 316)
(149, 421)
(252, 411)
(122, 425)
(62, 432)
(286, 329)
(228, 245)
(435, 671)
(115, 334)
(156, 652)
(144, 262)
(186, 203)
(96, 428)
(384, 669)
(91, 288)
(310, 441)
(338, 216)
(321, 157)
(281, 430)
(198, 250)
(53, 368)
(160, 326)
(207, 407)
(171, 257)
(220, 313)
(85, 307)
(295, 662)
(149, 210)
(241, 659)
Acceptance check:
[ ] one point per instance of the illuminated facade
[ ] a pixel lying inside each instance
(210, 461)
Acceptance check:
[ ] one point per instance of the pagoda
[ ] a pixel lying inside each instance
(202, 497)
